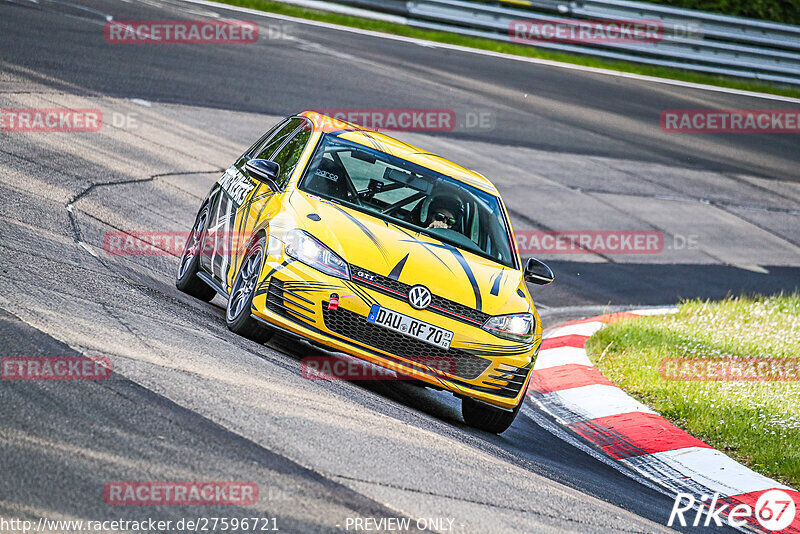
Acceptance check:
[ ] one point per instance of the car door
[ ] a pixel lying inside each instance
(244, 202)
(229, 203)
(264, 203)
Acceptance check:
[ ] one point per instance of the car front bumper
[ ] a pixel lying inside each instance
(296, 298)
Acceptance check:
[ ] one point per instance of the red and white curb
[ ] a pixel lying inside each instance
(568, 387)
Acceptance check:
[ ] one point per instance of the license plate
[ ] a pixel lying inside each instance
(411, 327)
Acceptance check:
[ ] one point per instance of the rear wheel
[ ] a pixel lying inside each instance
(237, 316)
(187, 280)
(485, 417)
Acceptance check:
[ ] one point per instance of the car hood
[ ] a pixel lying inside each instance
(412, 258)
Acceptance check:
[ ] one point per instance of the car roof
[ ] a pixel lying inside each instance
(390, 145)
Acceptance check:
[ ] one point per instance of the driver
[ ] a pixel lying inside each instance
(444, 211)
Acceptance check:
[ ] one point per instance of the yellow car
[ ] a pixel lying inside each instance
(369, 246)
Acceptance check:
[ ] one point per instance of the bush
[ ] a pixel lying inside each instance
(774, 10)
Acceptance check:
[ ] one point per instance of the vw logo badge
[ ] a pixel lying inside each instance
(419, 297)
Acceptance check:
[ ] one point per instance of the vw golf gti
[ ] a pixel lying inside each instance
(366, 245)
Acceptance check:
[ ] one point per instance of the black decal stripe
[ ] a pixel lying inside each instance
(309, 287)
(372, 237)
(468, 271)
(214, 233)
(263, 286)
(283, 264)
(244, 210)
(289, 310)
(369, 298)
(496, 287)
(395, 274)
(377, 143)
(362, 294)
(490, 346)
(309, 283)
(229, 240)
(268, 193)
(424, 245)
(496, 353)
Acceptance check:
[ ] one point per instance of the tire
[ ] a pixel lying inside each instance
(237, 314)
(187, 280)
(487, 418)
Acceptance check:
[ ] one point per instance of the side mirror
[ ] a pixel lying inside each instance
(537, 272)
(264, 171)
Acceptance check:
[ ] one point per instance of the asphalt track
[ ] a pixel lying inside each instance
(189, 401)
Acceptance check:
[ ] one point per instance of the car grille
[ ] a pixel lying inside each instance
(399, 290)
(356, 327)
(287, 303)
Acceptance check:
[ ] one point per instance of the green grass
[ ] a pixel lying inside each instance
(756, 423)
(513, 48)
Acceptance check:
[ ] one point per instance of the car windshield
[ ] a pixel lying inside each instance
(409, 195)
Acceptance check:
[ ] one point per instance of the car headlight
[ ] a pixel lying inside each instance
(516, 327)
(305, 248)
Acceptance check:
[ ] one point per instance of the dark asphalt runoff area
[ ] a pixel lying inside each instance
(190, 401)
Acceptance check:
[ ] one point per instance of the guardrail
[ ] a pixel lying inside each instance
(689, 39)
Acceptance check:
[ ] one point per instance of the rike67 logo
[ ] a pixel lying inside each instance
(775, 510)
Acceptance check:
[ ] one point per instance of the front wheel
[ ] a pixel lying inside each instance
(487, 418)
(237, 316)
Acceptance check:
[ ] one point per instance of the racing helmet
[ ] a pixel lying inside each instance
(444, 201)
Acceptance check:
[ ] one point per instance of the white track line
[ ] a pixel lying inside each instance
(561, 356)
(580, 329)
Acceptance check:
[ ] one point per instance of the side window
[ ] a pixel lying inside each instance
(288, 156)
(251, 152)
(277, 140)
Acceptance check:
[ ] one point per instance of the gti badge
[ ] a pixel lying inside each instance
(419, 297)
